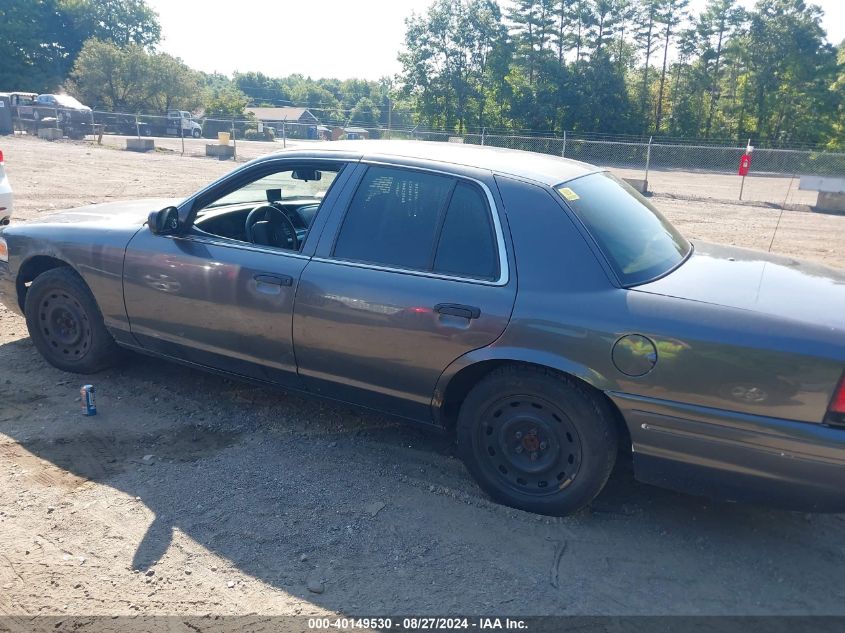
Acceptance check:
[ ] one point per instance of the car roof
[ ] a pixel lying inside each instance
(543, 168)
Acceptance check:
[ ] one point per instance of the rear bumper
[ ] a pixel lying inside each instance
(734, 456)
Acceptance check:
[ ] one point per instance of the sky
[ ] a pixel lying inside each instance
(318, 38)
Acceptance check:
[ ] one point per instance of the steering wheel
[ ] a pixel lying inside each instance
(270, 226)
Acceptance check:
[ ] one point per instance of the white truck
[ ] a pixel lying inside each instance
(176, 123)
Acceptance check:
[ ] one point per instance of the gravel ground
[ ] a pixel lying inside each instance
(191, 494)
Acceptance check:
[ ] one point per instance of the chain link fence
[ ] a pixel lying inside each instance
(682, 169)
(678, 168)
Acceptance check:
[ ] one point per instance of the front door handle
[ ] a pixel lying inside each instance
(275, 280)
(458, 310)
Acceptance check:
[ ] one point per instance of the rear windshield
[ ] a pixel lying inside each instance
(639, 242)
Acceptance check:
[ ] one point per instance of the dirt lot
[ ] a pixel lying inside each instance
(192, 494)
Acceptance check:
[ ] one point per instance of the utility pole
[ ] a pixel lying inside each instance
(389, 113)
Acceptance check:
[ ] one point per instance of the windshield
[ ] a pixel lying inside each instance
(288, 189)
(638, 241)
(68, 101)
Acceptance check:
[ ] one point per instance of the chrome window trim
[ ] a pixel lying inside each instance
(409, 271)
(504, 269)
(245, 246)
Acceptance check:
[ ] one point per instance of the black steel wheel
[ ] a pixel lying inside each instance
(530, 443)
(65, 323)
(537, 440)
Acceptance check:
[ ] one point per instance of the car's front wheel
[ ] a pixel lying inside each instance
(196, 133)
(66, 325)
(537, 440)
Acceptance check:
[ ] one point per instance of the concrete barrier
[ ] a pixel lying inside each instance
(639, 184)
(50, 133)
(140, 144)
(831, 196)
(219, 151)
(830, 202)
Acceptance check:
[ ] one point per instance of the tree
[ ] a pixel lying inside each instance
(718, 21)
(122, 22)
(365, 113)
(35, 45)
(605, 19)
(673, 12)
(262, 89)
(106, 76)
(837, 140)
(647, 17)
(225, 101)
(130, 79)
(40, 39)
(172, 85)
(790, 69)
(446, 59)
(533, 22)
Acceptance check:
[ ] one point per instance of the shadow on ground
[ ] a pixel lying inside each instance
(381, 516)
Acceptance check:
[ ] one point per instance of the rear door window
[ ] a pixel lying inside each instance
(393, 218)
(467, 245)
(417, 220)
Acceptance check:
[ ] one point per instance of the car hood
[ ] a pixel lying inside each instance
(125, 213)
(761, 282)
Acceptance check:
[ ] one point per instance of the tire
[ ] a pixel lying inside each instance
(66, 325)
(196, 133)
(536, 440)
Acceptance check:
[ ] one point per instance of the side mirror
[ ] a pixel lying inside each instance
(164, 222)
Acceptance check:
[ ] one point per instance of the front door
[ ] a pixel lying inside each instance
(220, 293)
(414, 276)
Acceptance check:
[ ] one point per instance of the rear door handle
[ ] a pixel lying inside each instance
(458, 310)
(275, 280)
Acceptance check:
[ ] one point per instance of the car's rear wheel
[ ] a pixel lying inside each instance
(66, 325)
(537, 440)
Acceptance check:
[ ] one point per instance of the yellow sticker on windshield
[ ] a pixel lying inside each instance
(567, 193)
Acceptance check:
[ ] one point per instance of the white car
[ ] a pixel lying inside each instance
(5, 195)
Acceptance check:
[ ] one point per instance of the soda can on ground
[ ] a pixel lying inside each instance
(89, 405)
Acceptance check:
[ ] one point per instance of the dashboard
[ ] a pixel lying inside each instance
(229, 221)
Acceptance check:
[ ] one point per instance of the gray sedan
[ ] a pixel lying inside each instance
(537, 308)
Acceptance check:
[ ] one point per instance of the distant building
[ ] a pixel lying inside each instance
(298, 122)
(356, 133)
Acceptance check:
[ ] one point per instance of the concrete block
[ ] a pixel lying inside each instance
(50, 133)
(140, 144)
(830, 202)
(639, 184)
(219, 151)
(827, 184)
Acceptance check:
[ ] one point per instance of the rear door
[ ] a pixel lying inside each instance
(410, 274)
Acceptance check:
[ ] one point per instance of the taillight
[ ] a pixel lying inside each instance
(836, 409)
(1, 155)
